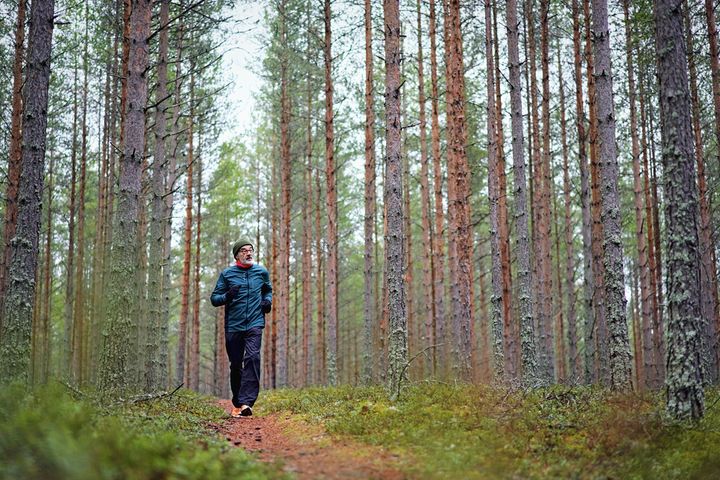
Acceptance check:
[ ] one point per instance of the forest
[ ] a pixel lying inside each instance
(490, 228)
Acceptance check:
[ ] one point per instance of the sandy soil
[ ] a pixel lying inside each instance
(305, 450)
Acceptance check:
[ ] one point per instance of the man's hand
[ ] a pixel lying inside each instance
(266, 306)
(232, 291)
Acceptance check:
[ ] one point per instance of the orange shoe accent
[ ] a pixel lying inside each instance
(235, 412)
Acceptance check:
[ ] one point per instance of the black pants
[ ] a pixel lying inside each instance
(243, 349)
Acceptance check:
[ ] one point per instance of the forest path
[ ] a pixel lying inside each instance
(305, 450)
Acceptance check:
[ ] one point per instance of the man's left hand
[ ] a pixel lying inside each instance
(266, 306)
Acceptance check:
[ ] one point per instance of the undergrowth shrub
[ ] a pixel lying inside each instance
(47, 434)
(480, 432)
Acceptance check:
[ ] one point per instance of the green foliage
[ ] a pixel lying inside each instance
(444, 431)
(48, 434)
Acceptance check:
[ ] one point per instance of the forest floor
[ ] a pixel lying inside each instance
(304, 450)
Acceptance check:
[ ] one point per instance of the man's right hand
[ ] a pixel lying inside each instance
(232, 291)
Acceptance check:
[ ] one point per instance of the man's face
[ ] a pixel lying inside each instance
(245, 254)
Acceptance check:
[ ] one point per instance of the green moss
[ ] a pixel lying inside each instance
(47, 434)
(443, 431)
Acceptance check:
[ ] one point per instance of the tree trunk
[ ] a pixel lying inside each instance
(460, 232)
(194, 363)
(15, 152)
(646, 352)
(714, 66)
(501, 327)
(685, 397)
(600, 362)
(332, 226)
(428, 305)
(79, 327)
(394, 255)
(370, 319)
(438, 242)
(283, 291)
(543, 214)
(708, 278)
(181, 359)
(153, 374)
(170, 180)
(307, 249)
(527, 317)
(615, 303)
(653, 375)
(121, 292)
(572, 339)
(18, 308)
(588, 283)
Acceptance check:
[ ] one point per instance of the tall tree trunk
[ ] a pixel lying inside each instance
(428, 290)
(194, 363)
(619, 343)
(528, 350)
(79, 338)
(283, 291)
(646, 353)
(307, 249)
(115, 362)
(332, 210)
(170, 181)
(370, 319)
(708, 278)
(68, 353)
(17, 311)
(320, 369)
(394, 255)
(572, 339)
(153, 374)
(501, 327)
(588, 282)
(460, 231)
(438, 242)
(503, 228)
(714, 66)
(543, 214)
(600, 362)
(653, 375)
(15, 157)
(685, 396)
(181, 373)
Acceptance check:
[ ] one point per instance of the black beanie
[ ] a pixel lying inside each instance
(238, 245)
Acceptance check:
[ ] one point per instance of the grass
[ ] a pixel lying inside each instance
(50, 435)
(478, 432)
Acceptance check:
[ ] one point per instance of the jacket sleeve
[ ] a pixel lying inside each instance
(266, 286)
(217, 297)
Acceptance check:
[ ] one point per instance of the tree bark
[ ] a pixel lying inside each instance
(153, 374)
(614, 281)
(394, 246)
(20, 292)
(15, 156)
(428, 289)
(283, 277)
(121, 293)
(708, 278)
(685, 396)
(438, 243)
(588, 280)
(501, 327)
(543, 213)
(332, 210)
(528, 350)
(460, 232)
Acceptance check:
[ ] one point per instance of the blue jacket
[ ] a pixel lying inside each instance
(243, 312)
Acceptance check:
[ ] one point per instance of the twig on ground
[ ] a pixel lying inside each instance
(155, 396)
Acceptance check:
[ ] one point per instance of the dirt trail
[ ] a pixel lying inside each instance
(307, 451)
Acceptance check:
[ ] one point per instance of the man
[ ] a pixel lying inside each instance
(245, 290)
